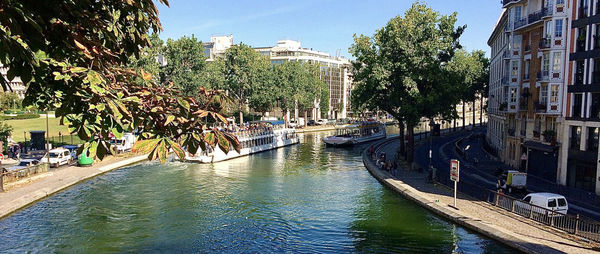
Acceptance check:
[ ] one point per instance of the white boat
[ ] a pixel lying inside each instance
(356, 133)
(265, 136)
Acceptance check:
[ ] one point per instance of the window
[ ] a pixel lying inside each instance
(558, 28)
(513, 95)
(527, 199)
(592, 140)
(554, 94)
(557, 61)
(544, 94)
(583, 8)
(562, 202)
(517, 42)
(552, 203)
(560, 2)
(517, 13)
(597, 36)
(581, 35)
(577, 103)
(575, 137)
(515, 68)
(595, 107)
(579, 67)
(546, 62)
(548, 32)
(526, 70)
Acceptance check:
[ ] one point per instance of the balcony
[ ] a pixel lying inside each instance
(533, 17)
(527, 48)
(523, 103)
(580, 44)
(507, 2)
(540, 107)
(543, 75)
(545, 43)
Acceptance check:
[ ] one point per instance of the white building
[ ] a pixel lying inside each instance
(217, 46)
(335, 71)
(498, 43)
(15, 84)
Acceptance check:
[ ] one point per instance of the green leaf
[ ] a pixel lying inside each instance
(183, 103)
(177, 149)
(145, 146)
(210, 138)
(170, 119)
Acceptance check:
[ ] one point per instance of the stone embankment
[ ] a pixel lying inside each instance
(515, 231)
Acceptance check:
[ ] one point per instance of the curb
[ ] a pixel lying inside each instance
(410, 193)
(30, 199)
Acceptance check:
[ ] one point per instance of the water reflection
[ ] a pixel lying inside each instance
(304, 198)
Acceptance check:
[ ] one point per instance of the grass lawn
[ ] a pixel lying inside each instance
(39, 124)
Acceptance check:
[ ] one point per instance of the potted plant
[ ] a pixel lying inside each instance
(549, 135)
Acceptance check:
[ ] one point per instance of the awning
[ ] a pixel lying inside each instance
(539, 146)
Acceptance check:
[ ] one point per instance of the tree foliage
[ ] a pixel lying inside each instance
(186, 63)
(401, 69)
(73, 56)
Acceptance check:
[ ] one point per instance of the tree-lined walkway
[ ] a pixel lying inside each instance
(513, 230)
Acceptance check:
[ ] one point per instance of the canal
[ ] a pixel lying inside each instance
(303, 198)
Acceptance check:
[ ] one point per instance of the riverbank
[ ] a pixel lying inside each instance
(309, 129)
(54, 181)
(514, 231)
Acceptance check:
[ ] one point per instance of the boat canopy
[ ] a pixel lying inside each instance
(272, 122)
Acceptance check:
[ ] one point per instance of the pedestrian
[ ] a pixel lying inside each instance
(523, 161)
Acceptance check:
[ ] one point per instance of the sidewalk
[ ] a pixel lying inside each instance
(513, 230)
(48, 183)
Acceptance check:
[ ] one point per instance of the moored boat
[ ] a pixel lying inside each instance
(356, 133)
(257, 137)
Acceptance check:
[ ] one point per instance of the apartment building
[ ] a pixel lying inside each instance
(217, 46)
(533, 73)
(498, 85)
(335, 71)
(580, 169)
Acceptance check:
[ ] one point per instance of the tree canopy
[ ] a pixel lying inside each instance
(401, 69)
(74, 56)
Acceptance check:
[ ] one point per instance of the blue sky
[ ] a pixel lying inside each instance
(324, 25)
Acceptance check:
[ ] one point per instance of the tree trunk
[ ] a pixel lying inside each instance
(402, 145)
(464, 109)
(474, 112)
(241, 116)
(410, 150)
(305, 117)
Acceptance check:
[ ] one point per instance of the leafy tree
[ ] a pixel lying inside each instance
(265, 92)
(147, 60)
(73, 56)
(401, 70)
(243, 67)
(5, 131)
(9, 100)
(186, 62)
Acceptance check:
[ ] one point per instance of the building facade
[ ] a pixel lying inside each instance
(498, 85)
(15, 84)
(580, 169)
(335, 71)
(217, 46)
(528, 84)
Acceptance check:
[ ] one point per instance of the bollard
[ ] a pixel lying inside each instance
(577, 224)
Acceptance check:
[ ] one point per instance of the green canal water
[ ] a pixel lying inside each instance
(300, 199)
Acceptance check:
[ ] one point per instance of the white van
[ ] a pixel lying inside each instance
(550, 201)
(58, 157)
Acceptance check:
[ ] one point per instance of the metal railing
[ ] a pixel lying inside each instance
(545, 43)
(573, 224)
(11, 176)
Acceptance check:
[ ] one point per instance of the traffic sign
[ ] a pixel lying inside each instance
(454, 170)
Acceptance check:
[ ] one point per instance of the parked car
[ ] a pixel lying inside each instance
(58, 157)
(550, 201)
(125, 143)
(321, 122)
(331, 121)
(301, 122)
(292, 124)
(311, 123)
(24, 163)
(512, 180)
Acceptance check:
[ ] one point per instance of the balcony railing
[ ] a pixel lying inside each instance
(580, 45)
(526, 76)
(527, 48)
(545, 43)
(523, 104)
(547, 11)
(543, 75)
(578, 78)
(540, 107)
